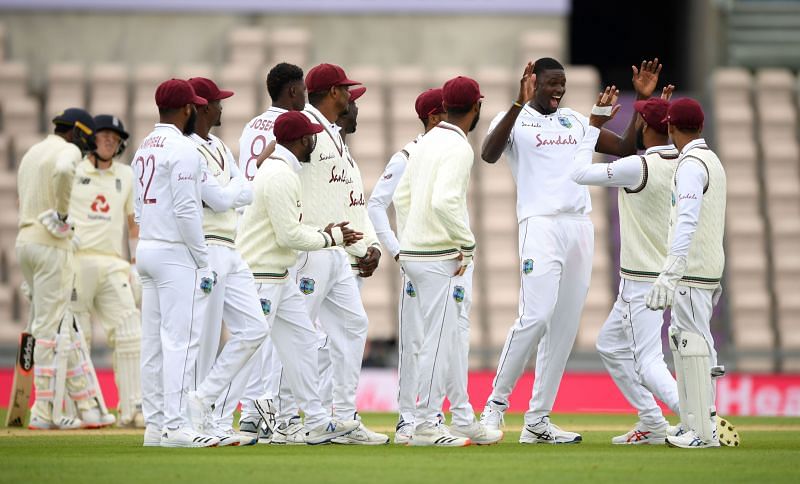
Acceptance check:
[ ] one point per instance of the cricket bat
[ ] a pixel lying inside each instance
(23, 382)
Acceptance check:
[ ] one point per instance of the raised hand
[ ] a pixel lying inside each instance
(526, 85)
(645, 78)
(666, 93)
(600, 114)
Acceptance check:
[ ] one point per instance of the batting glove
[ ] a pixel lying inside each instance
(662, 293)
(59, 226)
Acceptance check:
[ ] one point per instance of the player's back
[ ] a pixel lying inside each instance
(257, 133)
(166, 159)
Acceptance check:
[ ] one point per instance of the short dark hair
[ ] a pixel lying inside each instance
(314, 98)
(457, 111)
(168, 111)
(281, 76)
(546, 64)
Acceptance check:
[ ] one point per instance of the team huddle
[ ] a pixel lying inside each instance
(275, 246)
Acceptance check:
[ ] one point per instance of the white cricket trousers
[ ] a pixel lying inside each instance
(326, 280)
(556, 266)
(173, 309)
(235, 300)
(441, 297)
(410, 343)
(629, 344)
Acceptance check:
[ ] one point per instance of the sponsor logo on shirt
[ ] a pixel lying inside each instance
(560, 140)
(523, 124)
(185, 177)
(387, 176)
(565, 122)
(339, 177)
(326, 157)
(85, 181)
(100, 204)
(356, 201)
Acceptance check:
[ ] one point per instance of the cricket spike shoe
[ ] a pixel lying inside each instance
(186, 437)
(94, 419)
(403, 431)
(690, 440)
(478, 433)
(544, 432)
(65, 423)
(432, 435)
(642, 435)
(492, 415)
(289, 433)
(330, 431)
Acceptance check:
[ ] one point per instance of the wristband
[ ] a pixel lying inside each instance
(601, 110)
(336, 233)
(517, 104)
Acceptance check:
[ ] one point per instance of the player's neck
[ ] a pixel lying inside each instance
(329, 111)
(99, 163)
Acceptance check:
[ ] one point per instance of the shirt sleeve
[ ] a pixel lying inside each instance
(236, 193)
(380, 200)
(283, 204)
(448, 199)
(625, 172)
(63, 176)
(691, 178)
(185, 182)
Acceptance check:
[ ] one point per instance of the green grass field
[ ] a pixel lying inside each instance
(768, 452)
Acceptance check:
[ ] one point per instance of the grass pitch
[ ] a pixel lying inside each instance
(770, 452)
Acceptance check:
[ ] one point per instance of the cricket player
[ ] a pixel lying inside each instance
(630, 340)
(234, 298)
(44, 251)
(689, 281)
(556, 236)
(261, 378)
(436, 248)
(172, 258)
(325, 276)
(430, 111)
(102, 206)
(271, 234)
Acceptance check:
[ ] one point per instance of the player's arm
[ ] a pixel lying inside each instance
(644, 81)
(219, 198)
(246, 193)
(63, 176)
(381, 198)
(184, 185)
(448, 199)
(500, 131)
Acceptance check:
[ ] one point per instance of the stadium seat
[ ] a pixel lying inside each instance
(108, 90)
(248, 84)
(290, 45)
(146, 78)
(187, 71)
(66, 87)
(536, 44)
(14, 78)
(6, 162)
(21, 116)
(247, 46)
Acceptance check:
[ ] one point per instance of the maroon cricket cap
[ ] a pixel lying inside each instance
(206, 89)
(176, 93)
(429, 102)
(325, 76)
(685, 113)
(356, 93)
(653, 111)
(460, 92)
(293, 125)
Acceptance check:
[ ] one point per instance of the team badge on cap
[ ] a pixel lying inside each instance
(565, 122)
(306, 285)
(458, 293)
(266, 306)
(527, 266)
(410, 290)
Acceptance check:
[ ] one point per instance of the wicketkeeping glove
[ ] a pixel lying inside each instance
(663, 291)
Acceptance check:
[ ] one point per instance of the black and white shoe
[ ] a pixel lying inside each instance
(186, 437)
(544, 432)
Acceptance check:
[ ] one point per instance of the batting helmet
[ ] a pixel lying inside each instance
(112, 123)
(82, 126)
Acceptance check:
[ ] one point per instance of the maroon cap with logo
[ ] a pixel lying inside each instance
(356, 93)
(428, 103)
(685, 113)
(460, 92)
(294, 125)
(206, 89)
(653, 111)
(326, 76)
(176, 93)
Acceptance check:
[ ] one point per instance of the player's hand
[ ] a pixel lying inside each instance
(662, 293)
(666, 93)
(208, 279)
(59, 226)
(645, 78)
(342, 235)
(465, 262)
(526, 85)
(605, 108)
(268, 150)
(368, 263)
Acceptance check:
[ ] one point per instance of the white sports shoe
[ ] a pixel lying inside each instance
(728, 436)
(641, 435)
(186, 437)
(199, 413)
(361, 435)
(492, 415)
(134, 421)
(152, 436)
(430, 435)
(478, 433)
(93, 419)
(65, 423)
(331, 431)
(255, 427)
(403, 431)
(544, 432)
(267, 410)
(675, 430)
(690, 440)
(230, 437)
(290, 433)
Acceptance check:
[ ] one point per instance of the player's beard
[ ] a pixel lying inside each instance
(311, 146)
(188, 128)
(475, 121)
(640, 138)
